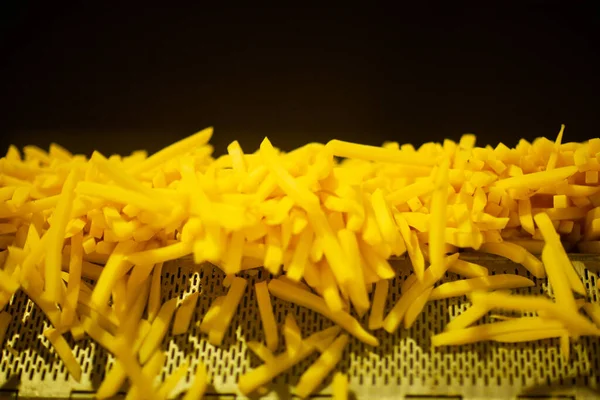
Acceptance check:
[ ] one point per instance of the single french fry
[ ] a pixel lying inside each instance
(379, 299)
(64, 352)
(492, 282)
(316, 373)
(261, 351)
(266, 314)
(227, 310)
(159, 328)
(201, 380)
(184, 313)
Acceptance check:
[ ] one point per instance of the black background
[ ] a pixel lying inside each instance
(105, 77)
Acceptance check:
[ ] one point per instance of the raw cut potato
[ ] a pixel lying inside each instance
(325, 229)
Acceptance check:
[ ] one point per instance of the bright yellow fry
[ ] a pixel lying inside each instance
(292, 335)
(396, 315)
(331, 292)
(467, 317)
(261, 351)
(340, 387)
(408, 282)
(558, 279)
(123, 178)
(468, 269)
(371, 153)
(356, 289)
(141, 378)
(162, 254)
(560, 270)
(416, 307)
(300, 257)
(211, 315)
(378, 307)
(528, 336)
(74, 284)
(491, 282)
(298, 296)
(233, 257)
(171, 381)
(516, 254)
(155, 292)
(113, 381)
(575, 322)
(159, 328)
(593, 310)
(56, 233)
(417, 189)
(439, 200)
(184, 313)
(489, 331)
(227, 310)
(536, 180)
(198, 387)
(317, 372)
(301, 195)
(574, 279)
(176, 149)
(115, 269)
(266, 315)
(118, 195)
(64, 352)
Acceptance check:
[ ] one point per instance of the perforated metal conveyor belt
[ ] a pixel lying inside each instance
(404, 365)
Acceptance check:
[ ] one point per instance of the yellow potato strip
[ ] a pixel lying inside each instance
(516, 254)
(378, 307)
(437, 227)
(261, 351)
(370, 153)
(492, 282)
(56, 236)
(64, 352)
(211, 314)
(171, 381)
(159, 328)
(593, 310)
(227, 310)
(558, 266)
(318, 371)
(266, 314)
(537, 180)
(575, 322)
(262, 375)
(396, 315)
(528, 336)
(416, 307)
(468, 269)
(467, 317)
(181, 147)
(198, 387)
(183, 316)
(155, 292)
(292, 294)
(292, 335)
(340, 387)
(489, 331)
(116, 267)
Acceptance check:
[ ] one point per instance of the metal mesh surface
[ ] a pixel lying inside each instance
(404, 365)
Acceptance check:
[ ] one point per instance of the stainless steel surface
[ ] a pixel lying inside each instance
(404, 365)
